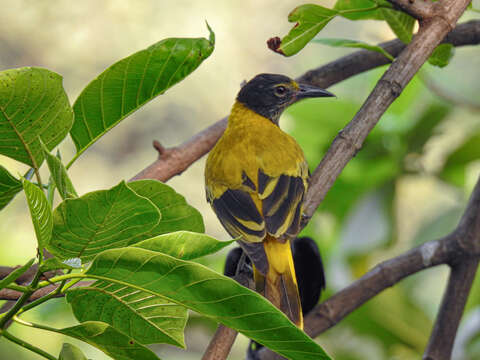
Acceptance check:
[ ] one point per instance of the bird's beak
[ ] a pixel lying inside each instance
(309, 91)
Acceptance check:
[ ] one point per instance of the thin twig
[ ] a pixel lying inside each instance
(221, 344)
(444, 331)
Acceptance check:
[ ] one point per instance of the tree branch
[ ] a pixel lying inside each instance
(349, 142)
(221, 344)
(174, 161)
(444, 331)
(8, 294)
(419, 9)
(388, 88)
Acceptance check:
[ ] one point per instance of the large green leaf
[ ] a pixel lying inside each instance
(354, 44)
(400, 23)
(147, 318)
(33, 106)
(40, 211)
(309, 19)
(59, 175)
(176, 213)
(131, 82)
(184, 244)
(9, 187)
(112, 342)
(206, 292)
(100, 220)
(71, 352)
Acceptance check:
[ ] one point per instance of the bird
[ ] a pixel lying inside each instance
(256, 178)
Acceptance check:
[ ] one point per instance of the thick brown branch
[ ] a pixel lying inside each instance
(388, 88)
(419, 9)
(178, 159)
(174, 161)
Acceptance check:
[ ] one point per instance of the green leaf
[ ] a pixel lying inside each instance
(15, 274)
(9, 187)
(209, 293)
(131, 82)
(442, 55)
(71, 352)
(360, 9)
(59, 175)
(354, 44)
(40, 211)
(400, 23)
(110, 341)
(176, 213)
(33, 106)
(310, 19)
(100, 220)
(454, 168)
(184, 244)
(147, 318)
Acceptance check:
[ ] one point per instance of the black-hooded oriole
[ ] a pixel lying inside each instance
(256, 177)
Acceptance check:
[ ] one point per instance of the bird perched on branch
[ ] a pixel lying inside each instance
(256, 177)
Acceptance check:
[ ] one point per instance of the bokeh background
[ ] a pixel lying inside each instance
(409, 184)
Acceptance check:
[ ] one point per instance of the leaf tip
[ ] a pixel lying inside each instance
(274, 44)
(211, 37)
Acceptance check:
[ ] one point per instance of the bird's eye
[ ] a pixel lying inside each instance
(280, 91)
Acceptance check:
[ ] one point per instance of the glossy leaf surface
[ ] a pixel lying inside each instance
(100, 220)
(209, 293)
(33, 106)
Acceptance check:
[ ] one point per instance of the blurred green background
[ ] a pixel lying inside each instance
(408, 184)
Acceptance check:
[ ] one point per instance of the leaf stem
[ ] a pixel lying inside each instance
(62, 278)
(27, 345)
(16, 287)
(77, 155)
(45, 298)
(34, 325)
(22, 300)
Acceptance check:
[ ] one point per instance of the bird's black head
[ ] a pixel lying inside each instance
(270, 94)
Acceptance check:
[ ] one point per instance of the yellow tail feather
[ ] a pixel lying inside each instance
(280, 282)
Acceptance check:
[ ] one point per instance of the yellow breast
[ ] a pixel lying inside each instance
(251, 142)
